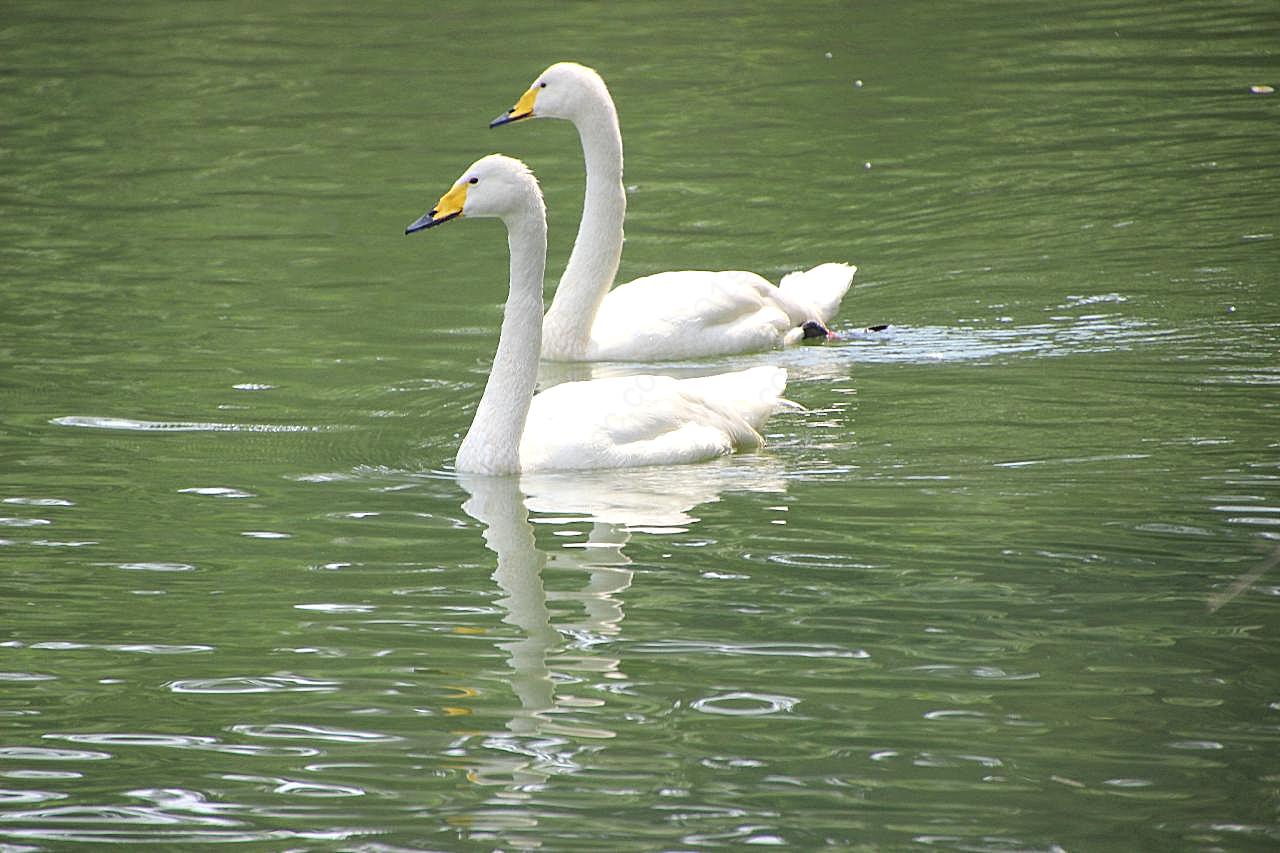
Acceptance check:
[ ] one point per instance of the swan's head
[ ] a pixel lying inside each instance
(496, 185)
(565, 90)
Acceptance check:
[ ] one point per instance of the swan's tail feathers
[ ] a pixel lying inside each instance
(821, 287)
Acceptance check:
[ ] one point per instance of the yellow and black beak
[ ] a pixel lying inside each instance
(522, 109)
(448, 207)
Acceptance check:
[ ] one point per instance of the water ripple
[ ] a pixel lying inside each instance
(337, 608)
(1116, 457)
(113, 814)
(744, 704)
(144, 648)
(321, 733)
(994, 673)
(39, 753)
(42, 774)
(8, 797)
(107, 836)
(293, 787)
(216, 492)
(193, 742)
(253, 684)
(801, 650)
(156, 567)
(955, 714)
(1091, 333)
(133, 425)
(50, 543)
(807, 561)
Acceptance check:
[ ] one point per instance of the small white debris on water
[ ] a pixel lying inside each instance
(857, 84)
(866, 165)
(828, 54)
(1257, 88)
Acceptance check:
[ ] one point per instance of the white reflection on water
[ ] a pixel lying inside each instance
(540, 742)
(498, 504)
(654, 500)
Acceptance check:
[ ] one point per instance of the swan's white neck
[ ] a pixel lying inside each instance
(594, 262)
(492, 444)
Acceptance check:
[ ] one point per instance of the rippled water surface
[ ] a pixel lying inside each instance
(1009, 583)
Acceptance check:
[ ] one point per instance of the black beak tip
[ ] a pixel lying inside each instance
(508, 117)
(429, 220)
(424, 221)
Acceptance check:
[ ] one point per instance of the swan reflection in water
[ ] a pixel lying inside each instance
(543, 737)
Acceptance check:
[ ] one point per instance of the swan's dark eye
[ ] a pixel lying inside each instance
(474, 181)
(542, 85)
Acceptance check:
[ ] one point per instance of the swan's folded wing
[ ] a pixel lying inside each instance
(752, 395)
(691, 313)
(644, 420)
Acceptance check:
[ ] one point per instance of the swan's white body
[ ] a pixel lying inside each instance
(627, 421)
(672, 315)
(606, 423)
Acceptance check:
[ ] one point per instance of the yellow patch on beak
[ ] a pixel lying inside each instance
(524, 106)
(451, 203)
(522, 109)
(448, 207)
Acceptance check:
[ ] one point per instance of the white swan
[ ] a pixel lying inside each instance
(605, 423)
(670, 315)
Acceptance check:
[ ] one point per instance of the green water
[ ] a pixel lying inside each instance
(1009, 584)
